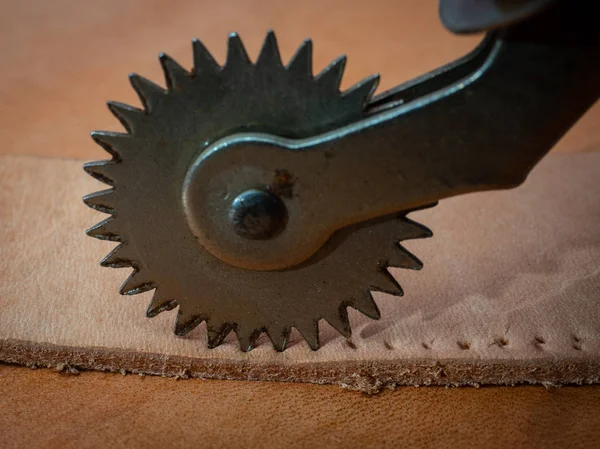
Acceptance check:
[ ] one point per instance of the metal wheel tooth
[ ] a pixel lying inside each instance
(247, 338)
(137, 282)
(176, 77)
(217, 333)
(130, 117)
(159, 303)
(102, 201)
(310, 333)
(204, 63)
(331, 77)
(301, 62)
(105, 230)
(237, 57)
(103, 171)
(384, 281)
(113, 143)
(361, 92)
(366, 305)
(403, 258)
(279, 336)
(340, 321)
(269, 54)
(186, 322)
(119, 257)
(150, 94)
(412, 230)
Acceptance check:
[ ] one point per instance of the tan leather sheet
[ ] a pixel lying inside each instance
(510, 292)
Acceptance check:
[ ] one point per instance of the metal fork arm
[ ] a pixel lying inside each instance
(486, 131)
(524, 88)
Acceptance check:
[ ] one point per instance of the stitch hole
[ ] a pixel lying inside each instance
(464, 345)
(540, 340)
(501, 342)
(350, 344)
(426, 345)
(388, 346)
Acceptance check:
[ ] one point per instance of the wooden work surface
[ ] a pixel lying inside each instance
(63, 59)
(47, 409)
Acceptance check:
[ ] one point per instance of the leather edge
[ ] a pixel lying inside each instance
(368, 377)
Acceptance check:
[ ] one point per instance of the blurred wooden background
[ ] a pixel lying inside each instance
(63, 59)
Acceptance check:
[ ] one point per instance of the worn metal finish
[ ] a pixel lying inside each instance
(470, 16)
(259, 198)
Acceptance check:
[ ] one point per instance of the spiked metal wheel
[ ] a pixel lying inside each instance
(149, 169)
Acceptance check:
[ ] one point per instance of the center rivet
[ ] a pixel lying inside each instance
(257, 215)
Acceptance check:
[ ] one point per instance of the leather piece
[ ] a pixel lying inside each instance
(508, 293)
(47, 409)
